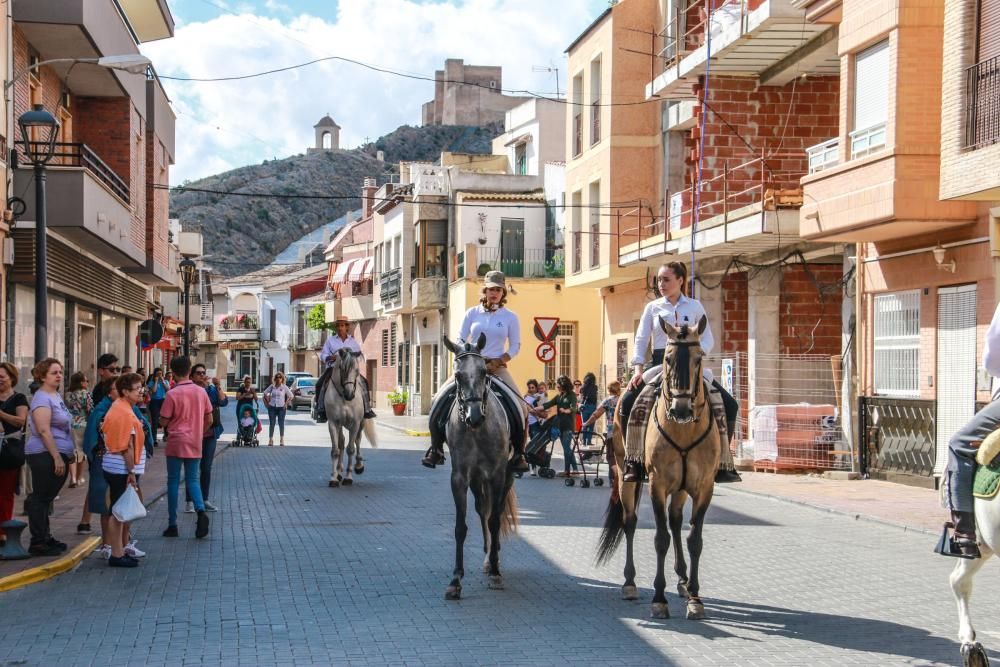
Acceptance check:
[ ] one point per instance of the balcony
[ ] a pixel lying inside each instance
(982, 113)
(239, 326)
(358, 308)
(517, 262)
(867, 141)
(823, 156)
(83, 29)
(88, 203)
(429, 293)
(747, 37)
(306, 339)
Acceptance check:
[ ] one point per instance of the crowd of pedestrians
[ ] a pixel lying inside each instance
(103, 437)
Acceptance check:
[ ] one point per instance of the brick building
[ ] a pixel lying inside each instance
(109, 251)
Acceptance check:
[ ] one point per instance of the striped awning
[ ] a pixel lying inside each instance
(340, 275)
(361, 270)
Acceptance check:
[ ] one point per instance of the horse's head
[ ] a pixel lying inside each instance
(682, 368)
(470, 379)
(345, 372)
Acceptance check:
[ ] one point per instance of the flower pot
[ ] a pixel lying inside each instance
(399, 409)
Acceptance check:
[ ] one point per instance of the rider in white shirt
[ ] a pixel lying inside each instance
(503, 342)
(676, 308)
(341, 339)
(962, 447)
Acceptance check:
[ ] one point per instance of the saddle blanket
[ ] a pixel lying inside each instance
(635, 431)
(987, 481)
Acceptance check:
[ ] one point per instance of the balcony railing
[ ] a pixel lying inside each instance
(577, 134)
(823, 156)
(867, 141)
(239, 321)
(982, 112)
(81, 155)
(389, 285)
(306, 339)
(682, 35)
(521, 263)
(595, 123)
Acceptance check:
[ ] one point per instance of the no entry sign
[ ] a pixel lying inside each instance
(546, 352)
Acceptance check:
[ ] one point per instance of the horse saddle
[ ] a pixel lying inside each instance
(645, 403)
(987, 480)
(511, 402)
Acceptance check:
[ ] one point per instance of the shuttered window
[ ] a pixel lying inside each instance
(988, 43)
(871, 99)
(956, 365)
(897, 344)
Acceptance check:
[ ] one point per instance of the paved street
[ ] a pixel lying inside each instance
(296, 573)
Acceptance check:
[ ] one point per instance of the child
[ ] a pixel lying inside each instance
(247, 419)
(565, 403)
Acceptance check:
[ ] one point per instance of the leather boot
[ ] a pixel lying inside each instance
(517, 461)
(723, 476)
(633, 472)
(964, 539)
(437, 424)
(433, 457)
(319, 407)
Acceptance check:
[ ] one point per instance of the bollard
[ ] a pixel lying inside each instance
(12, 549)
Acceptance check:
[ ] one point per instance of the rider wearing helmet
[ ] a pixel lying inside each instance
(342, 339)
(676, 308)
(503, 341)
(962, 448)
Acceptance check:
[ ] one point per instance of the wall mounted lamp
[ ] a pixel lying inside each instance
(939, 254)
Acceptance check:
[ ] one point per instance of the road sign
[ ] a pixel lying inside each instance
(545, 327)
(546, 353)
(150, 333)
(727, 375)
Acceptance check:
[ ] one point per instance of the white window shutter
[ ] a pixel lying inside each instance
(871, 87)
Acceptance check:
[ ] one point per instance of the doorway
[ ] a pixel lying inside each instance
(86, 343)
(512, 247)
(956, 365)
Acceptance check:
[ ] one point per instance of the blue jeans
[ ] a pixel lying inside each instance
(191, 475)
(586, 411)
(207, 457)
(275, 415)
(566, 438)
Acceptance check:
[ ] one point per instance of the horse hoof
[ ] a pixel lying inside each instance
(496, 582)
(695, 610)
(453, 593)
(334, 483)
(659, 610)
(486, 567)
(359, 470)
(682, 590)
(348, 482)
(630, 593)
(974, 655)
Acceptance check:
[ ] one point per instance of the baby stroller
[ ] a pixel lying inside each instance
(538, 452)
(247, 430)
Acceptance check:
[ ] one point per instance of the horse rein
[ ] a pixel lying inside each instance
(463, 402)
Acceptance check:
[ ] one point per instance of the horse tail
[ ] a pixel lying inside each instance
(614, 526)
(509, 518)
(369, 427)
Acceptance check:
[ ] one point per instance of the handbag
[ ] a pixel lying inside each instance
(11, 452)
(129, 507)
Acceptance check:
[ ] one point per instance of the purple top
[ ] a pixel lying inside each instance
(59, 426)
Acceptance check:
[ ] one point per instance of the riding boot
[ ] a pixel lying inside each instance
(369, 413)
(720, 401)
(438, 419)
(633, 472)
(964, 543)
(517, 461)
(319, 406)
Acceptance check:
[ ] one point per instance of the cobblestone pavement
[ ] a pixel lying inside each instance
(297, 573)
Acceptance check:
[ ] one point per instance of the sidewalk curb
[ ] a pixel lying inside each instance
(70, 560)
(830, 510)
(404, 430)
(49, 570)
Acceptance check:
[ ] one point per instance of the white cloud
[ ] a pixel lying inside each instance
(228, 124)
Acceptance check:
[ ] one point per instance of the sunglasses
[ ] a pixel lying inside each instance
(200, 372)
(112, 369)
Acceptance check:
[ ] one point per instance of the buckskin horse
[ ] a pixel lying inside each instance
(478, 437)
(345, 409)
(681, 457)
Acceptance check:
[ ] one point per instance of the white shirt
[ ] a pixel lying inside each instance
(334, 343)
(991, 350)
(686, 311)
(278, 396)
(500, 326)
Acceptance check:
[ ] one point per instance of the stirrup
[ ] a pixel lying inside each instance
(956, 547)
(370, 414)
(433, 458)
(633, 472)
(518, 463)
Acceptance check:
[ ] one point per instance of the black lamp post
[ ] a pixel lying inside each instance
(38, 133)
(187, 274)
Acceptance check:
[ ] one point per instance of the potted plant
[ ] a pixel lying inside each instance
(398, 399)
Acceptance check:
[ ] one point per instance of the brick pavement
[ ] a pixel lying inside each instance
(296, 573)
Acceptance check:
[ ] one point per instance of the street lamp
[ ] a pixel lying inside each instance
(38, 132)
(133, 63)
(187, 274)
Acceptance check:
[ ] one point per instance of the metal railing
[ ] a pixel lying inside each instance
(521, 262)
(867, 140)
(81, 155)
(896, 436)
(306, 339)
(240, 321)
(390, 284)
(823, 156)
(680, 38)
(577, 134)
(982, 110)
(595, 122)
(577, 251)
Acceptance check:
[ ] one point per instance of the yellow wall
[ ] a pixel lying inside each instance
(539, 298)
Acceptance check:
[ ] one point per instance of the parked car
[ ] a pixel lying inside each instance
(290, 377)
(303, 388)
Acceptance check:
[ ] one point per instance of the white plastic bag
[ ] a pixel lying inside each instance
(129, 507)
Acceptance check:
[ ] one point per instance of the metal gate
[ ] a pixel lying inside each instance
(896, 437)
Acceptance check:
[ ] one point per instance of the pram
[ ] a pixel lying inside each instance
(246, 436)
(538, 452)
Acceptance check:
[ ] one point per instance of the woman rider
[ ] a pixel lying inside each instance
(675, 308)
(503, 341)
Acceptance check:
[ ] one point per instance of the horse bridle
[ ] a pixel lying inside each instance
(666, 392)
(463, 402)
(342, 386)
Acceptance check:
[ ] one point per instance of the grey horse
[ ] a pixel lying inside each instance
(478, 436)
(345, 409)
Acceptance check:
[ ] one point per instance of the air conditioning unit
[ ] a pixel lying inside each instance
(8, 251)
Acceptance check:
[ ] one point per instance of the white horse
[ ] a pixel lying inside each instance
(988, 528)
(345, 409)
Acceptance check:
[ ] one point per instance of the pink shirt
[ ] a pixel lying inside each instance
(185, 407)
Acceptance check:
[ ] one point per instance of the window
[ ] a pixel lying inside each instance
(417, 369)
(575, 213)
(988, 34)
(435, 368)
(595, 101)
(435, 248)
(521, 159)
(565, 361)
(577, 114)
(871, 100)
(392, 344)
(982, 90)
(621, 360)
(897, 344)
(385, 347)
(595, 224)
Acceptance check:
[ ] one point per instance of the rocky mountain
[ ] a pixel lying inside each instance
(244, 232)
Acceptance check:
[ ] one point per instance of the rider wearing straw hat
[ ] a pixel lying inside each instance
(503, 341)
(333, 344)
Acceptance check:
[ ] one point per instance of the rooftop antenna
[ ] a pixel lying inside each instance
(549, 68)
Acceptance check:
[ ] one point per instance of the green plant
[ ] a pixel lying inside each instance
(398, 397)
(316, 319)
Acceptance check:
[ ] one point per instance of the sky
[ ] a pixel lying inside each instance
(223, 125)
